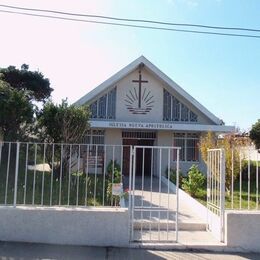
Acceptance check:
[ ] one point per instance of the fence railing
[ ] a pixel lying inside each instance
(242, 181)
(49, 174)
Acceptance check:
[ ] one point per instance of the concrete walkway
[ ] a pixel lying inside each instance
(153, 193)
(155, 216)
(18, 251)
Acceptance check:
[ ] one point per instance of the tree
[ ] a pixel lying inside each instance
(254, 134)
(16, 112)
(207, 141)
(32, 83)
(231, 144)
(62, 123)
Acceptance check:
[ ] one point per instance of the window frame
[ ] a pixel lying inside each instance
(105, 106)
(185, 138)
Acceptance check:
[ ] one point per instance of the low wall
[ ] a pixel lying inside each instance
(60, 225)
(243, 230)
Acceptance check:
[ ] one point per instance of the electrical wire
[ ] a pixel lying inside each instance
(133, 20)
(132, 25)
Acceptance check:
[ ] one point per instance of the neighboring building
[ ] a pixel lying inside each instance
(140, 105)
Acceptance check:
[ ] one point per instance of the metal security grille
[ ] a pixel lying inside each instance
(153, 207)
(138, 135)
(216, 191)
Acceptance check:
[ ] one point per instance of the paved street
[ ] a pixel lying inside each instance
(26, 251)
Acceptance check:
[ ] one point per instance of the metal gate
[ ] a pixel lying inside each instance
(216, 192)
(153, 206)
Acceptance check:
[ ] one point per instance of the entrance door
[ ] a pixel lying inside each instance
(126, 154)
(143, 157)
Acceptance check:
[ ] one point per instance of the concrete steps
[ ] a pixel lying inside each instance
(187, 240)
(168, 225)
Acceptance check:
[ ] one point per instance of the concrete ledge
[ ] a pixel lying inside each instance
(243, 229)
(66, 226)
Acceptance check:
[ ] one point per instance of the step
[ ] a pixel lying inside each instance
(187, 240)
(168, 225)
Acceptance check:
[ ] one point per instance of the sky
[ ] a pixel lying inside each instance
(222, 73)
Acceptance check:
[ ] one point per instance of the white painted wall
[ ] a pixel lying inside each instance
(66, 226)
(113, 137)
(156, 87)
(243, 230)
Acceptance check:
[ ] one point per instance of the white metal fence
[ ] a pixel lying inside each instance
(216, 191)
(49, 174)
(243, 179)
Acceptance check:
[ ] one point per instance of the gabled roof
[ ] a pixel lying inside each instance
(152, 68)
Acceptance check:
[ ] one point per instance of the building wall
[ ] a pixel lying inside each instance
(113, 140)
(65, 226)
(155, 86)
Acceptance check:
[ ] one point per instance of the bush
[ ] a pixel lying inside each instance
(117, 171)
(113, 177)
(194, 182)
(173, 175)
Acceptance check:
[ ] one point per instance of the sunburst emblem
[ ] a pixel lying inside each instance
(139, 100)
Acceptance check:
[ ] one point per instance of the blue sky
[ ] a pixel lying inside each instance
(222, 73)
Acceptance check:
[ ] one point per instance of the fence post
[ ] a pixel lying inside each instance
(177, 196)
(222, 194)
(16, 172)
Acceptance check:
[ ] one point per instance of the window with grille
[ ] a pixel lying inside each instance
(174, 110)
(105, 106)
(189, 146)
(138, 135)
(96, 140)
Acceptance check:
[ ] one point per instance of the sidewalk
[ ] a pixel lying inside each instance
(26, 251)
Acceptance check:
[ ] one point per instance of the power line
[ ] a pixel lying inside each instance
(133, 20)
(132, 25)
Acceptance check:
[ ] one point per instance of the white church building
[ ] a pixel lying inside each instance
(140, 105)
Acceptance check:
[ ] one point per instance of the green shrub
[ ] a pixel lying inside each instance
(173, 175)
(116, 175)
(113, 177)
(194, 182)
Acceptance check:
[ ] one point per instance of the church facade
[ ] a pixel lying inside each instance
(140, 105)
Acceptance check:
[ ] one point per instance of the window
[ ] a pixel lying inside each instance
(179, 141)
(102, 107)
(105, 106)
(93, 109)
(189, 146)
(193, 117)
(111, 104)
(167, 106)
(184, 113)
(95, 137)
(174, 110)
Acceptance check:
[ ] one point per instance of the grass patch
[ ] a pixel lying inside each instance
(43, 188)
(246, 203)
